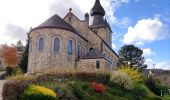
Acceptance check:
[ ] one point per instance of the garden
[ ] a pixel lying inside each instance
(126, 83)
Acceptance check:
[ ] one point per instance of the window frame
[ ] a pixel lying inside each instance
(68, 47)
(97, 64)
(60, 43)
(38, 46)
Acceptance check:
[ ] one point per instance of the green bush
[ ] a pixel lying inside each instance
(166, 97)
(156, 86)
(34, 92)
(144, 92)
(122, 79)
(160, 87)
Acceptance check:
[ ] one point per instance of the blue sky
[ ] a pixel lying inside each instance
(144, 23)
(157, 50)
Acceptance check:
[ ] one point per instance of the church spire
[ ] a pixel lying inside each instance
(97, 13)
(97, 9)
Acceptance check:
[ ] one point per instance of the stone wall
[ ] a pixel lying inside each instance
(105, 34)
(48, 58)
(94, 41)
(80, 26)
(90, 64)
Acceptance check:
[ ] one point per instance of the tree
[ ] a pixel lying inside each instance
(131, 55)
(19, 46)
(24, 61)
(11, 58)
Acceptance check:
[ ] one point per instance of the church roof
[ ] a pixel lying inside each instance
(97, 9)
(93, 54)
(56, 22)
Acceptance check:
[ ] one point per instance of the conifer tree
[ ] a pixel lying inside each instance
(24, 61)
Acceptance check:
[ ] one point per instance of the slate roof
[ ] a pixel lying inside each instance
(56, 22)
(97, 9)
(93, 54)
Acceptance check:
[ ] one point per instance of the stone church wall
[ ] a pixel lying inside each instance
(48, 58)
(90, 64)
(80, 26)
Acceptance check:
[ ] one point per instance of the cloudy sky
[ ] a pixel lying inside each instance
(144, 23)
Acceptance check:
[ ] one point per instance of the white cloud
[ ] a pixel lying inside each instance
(113, 46)
(148, 52)
(163, 65)
(146, 30)
(31, 13)
(111, 6)
(157, 64)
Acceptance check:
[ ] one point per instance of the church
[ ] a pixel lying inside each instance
(73, 43)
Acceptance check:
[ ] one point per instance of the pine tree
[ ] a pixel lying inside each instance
(131, 55)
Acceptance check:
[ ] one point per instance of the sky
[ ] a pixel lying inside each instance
(143, 23)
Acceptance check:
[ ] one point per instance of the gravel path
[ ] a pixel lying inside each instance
(1, 86)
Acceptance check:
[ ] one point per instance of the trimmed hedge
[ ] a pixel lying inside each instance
(17, 85)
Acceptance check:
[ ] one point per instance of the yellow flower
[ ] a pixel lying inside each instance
(43, 90)
(132, 72)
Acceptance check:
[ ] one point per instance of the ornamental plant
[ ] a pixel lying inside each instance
(98, 87)
(122, 79)
(35, 92)
(131, 72)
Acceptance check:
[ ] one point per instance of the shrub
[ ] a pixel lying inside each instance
(98, 87)
(132, 72)
(156, 86)
(17, 71)
(34, 92)
(82, 75)
(122, 80)
(159, 87)
(14, 86)
(166, 97)
(144, 92)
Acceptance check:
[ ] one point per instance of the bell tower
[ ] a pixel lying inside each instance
(99, 24)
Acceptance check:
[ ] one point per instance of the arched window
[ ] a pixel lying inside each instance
(70, 46)
(56, 44)
(40, 44)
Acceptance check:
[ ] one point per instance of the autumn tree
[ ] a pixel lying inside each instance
(11, 59)
(131, 55)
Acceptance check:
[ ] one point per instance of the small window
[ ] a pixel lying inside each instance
(90, 49)
(97, 64)
(69, 18)
(56, 44)
(70, 47)
(40, 44)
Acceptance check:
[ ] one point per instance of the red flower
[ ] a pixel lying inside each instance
(98, 87)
